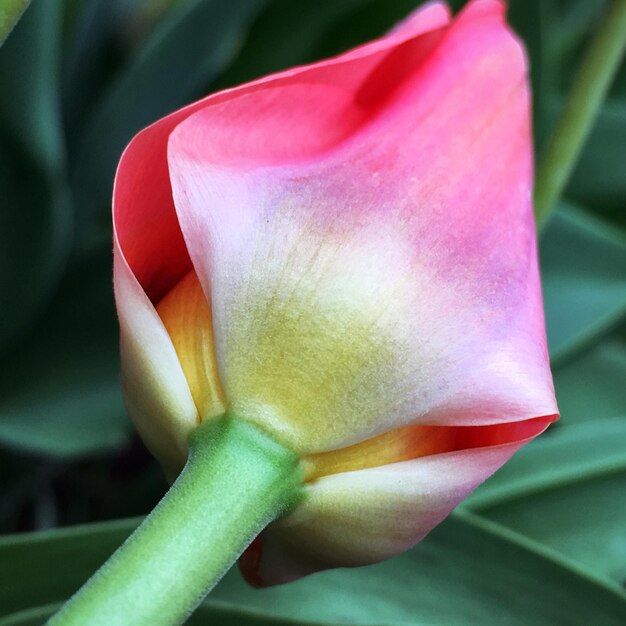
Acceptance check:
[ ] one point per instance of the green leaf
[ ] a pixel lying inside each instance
(186, 50)
(580, 508)
(598, 180)
(29, 563)
(205, 614)
(94, 52)
(228, 615)
(29, 574)
(30, 617)
(592, 384)
(365, 21)
(467, 571)
(59, 393)
(29, 75)
(530, 20)
(595, 536)
(277, 41)
(10, 13)
(566, 490)
(583, 266)
(569, 28)
(35, 233)
(36, 219)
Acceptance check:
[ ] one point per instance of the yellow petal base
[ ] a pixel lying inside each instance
(186, 315)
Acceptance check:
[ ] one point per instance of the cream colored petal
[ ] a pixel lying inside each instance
(366, 516)
(155, 390)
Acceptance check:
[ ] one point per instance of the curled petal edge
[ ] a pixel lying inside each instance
(357, 518)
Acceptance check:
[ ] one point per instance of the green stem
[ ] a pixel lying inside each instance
(235, 482)
(589, 89)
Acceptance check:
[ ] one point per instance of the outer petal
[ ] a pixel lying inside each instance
(145, 222)
(362, 517)
(155, 390)
(365, 233)
(151, 255)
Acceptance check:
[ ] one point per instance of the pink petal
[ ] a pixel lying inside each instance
(151, 255)
(364, 228)
(144, 218)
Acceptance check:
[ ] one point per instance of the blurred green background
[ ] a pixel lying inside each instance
(542, 542)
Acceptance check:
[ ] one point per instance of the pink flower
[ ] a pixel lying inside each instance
(344, 254)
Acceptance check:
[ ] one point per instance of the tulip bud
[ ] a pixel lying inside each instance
(343, 254)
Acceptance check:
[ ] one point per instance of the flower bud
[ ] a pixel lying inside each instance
(344, 255)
